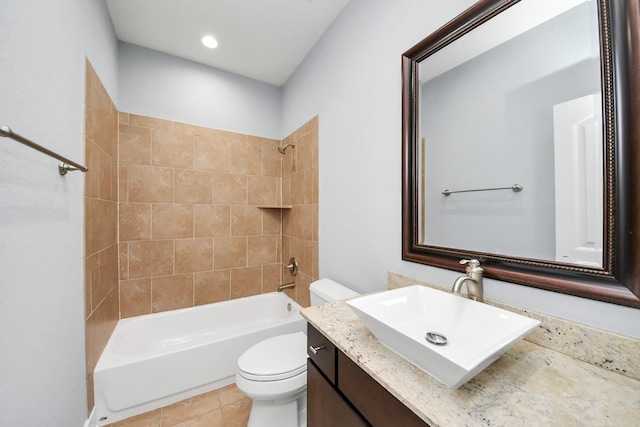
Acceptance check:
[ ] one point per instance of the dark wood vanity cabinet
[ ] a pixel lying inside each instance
(325, 406)
(340, 393)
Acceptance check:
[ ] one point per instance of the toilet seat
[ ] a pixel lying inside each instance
(276, 358)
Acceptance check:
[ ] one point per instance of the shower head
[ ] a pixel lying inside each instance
(283, 149)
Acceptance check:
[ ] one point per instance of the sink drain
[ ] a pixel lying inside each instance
(436, 338)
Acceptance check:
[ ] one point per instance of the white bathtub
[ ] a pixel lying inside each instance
(154, 360)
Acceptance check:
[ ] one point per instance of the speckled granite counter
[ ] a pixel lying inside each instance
(530, 385)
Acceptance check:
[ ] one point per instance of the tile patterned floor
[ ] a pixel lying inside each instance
(224, 407)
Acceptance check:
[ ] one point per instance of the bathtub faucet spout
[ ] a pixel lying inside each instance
(286, 286)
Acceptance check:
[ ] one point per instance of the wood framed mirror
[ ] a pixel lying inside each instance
(427, 238)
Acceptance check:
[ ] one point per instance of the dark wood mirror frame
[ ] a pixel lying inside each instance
(618, 281)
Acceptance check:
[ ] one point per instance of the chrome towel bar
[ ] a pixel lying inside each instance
(515, 187)
(65, 165)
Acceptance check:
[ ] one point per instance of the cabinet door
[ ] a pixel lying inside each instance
(375, 403)
(325, 406)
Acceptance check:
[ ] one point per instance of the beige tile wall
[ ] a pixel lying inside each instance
(190, 224)
(300, 224)
(101, 246)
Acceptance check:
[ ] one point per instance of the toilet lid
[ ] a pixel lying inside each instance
(276, 358)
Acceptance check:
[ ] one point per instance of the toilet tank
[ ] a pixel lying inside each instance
(326, 290)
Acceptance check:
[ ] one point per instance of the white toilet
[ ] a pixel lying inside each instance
(274, 372)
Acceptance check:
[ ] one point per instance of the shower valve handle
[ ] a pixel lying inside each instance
(293, 266)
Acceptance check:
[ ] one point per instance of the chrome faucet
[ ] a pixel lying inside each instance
(473, 279)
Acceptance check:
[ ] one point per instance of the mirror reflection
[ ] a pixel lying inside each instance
(515, 104)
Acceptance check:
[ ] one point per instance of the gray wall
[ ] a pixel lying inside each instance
(164, 86)
(43, 45)
(489, 123)
(352, 79)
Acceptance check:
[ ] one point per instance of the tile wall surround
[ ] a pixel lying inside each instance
(191, 231)
(300, 223)
(185, 191)
(604, 349)
(101, 218)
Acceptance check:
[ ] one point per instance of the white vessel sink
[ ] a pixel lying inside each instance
(466, 336)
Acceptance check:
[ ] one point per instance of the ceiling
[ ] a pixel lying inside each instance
(264, 40)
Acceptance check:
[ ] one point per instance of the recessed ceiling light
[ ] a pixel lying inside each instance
(209, 42)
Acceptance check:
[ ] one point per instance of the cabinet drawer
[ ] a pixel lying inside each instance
(374, 402)
(322, 352)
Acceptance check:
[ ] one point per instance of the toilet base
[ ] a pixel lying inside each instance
(277, 413)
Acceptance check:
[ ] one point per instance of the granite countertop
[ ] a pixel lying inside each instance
(528, 385)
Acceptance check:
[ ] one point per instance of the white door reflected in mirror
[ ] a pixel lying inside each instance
(577, 126)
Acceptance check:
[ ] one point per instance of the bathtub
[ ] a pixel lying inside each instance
(157, 359)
